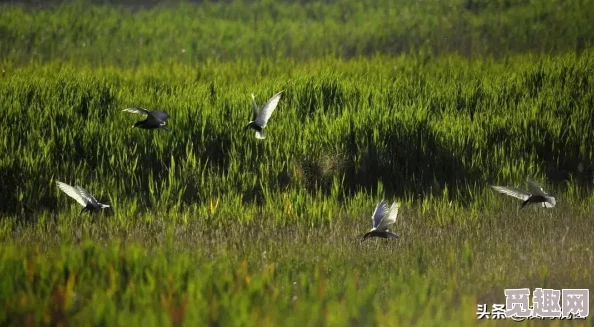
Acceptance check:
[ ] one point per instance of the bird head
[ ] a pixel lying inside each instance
(247, 126)
(137, 124)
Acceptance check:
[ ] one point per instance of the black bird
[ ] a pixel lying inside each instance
(382, 219)
(259, 119)
(154, 119)
(536, 194)
(82, 196)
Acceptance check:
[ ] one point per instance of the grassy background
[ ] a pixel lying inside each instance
(424, 103)
(129, 35)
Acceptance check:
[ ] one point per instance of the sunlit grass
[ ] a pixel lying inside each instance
(337, 131)
(133, 272)
(211, 227)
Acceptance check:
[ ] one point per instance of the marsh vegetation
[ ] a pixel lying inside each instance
(209, 226)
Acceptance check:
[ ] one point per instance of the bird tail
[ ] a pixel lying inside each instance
(260, 135)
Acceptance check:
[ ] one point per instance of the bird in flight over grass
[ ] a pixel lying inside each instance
(82, 196)
(382, 218)
(536, 194)
(154, 119)
(259, 119)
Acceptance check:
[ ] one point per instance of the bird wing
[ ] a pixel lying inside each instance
(85, 194)
(378, 214)
(512, 191)
(267, 110)
(140, 111)
(159, 115)
(254, 108)
(389, 218)
(73, 193)
(535, 188)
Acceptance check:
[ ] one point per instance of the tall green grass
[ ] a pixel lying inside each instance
(446, 128)
(211, 227)
(113, 272)
(224, 30)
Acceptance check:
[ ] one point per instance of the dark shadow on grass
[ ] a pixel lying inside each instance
(413, 161)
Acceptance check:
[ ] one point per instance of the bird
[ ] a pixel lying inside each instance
(382, 218)
(154, 119)
(82, 196)
(536, 194)
(260, 118)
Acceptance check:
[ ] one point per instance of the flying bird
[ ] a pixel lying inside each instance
(260, 118)
(154, 119)
(82, 196)
(536, 194)
(382, 218)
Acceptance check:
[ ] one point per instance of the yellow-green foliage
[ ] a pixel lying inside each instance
(212, 227)
(341, 127)
(128, 34)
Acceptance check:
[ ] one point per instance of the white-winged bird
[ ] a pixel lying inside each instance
(382, 218)
(82, 196)
(154, 119)
(536, 194)
(260, 118)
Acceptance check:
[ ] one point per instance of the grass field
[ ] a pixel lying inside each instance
(211, 227)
